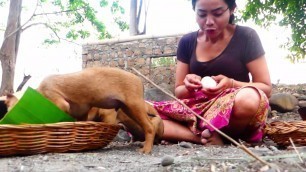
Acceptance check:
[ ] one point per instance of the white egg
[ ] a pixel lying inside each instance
(208, 82)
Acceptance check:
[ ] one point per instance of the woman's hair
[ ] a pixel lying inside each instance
(231, 5)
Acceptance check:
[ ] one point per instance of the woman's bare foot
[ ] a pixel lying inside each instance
(165, 142)
(211, 138)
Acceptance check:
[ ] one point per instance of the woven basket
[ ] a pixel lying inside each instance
(281, 131)
(57, 137)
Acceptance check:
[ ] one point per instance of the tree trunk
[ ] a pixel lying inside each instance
(9, 48)
(144, 31)
(133, 18)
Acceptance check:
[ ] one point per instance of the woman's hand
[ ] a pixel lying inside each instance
(192, 82)
(223, 83)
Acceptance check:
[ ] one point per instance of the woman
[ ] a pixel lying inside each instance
(228, 53)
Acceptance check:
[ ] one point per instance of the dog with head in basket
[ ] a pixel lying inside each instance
(106, 88)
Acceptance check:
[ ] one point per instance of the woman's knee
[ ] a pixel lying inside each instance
(246, 104)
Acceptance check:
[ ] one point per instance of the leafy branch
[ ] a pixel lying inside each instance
(57, 12)
(286, 14)
(74, 8)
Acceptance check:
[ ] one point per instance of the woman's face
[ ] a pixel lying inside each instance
(212, 16)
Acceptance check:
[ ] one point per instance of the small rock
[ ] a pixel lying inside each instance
(91, 167)
(185, 145)
(21, 168)
(261, 150)
(302, 97)
(274, 149)
(122, 136)
(302, 103)
(186, 153)
(167, 160)
(283, 102)
(296, 95)
(45, 158)
(266, 168)
(274, 113)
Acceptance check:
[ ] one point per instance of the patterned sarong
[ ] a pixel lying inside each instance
(216, 110)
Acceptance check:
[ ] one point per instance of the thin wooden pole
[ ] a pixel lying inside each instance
(241, 146)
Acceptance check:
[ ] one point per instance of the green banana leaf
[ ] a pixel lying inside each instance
(34, 108)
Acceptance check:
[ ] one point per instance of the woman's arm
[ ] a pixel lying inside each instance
(260, 76)
(182, 70)
(185, 83)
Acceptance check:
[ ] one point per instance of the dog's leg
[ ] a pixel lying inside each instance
(136, 130)
(93, 115)
(137, 111)
(59, 102)
(156, 121)
(108, 115)
(63, 105)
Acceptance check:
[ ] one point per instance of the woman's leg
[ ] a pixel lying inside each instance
(245, 107)
(246, 104)
(174, 131)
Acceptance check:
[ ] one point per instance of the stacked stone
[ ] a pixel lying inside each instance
(136, 52)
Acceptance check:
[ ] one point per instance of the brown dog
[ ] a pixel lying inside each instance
(112, 116)
(102, 87)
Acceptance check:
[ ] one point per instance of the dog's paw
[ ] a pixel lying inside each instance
(145, 151)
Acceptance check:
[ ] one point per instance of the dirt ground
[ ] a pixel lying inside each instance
(123, 156)
(119, 156)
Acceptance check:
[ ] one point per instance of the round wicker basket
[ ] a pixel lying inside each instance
(57, 137)
(281, 131)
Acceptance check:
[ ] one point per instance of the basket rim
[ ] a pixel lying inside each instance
(285, 127)
(58, 124)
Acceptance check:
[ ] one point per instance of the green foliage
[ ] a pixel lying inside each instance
(103, 3)
(73, 34)
(119, 11)
(122, 25)
(2, 2)
(292, 14)
(57, 3)
(50, 41)
(163, 61)
(73, 17)
(117, 8)
(83, 11)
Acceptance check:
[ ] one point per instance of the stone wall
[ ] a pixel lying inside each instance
(153, 56)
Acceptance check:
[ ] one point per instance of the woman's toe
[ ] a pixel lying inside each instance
(204, 141)
(206, 134)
